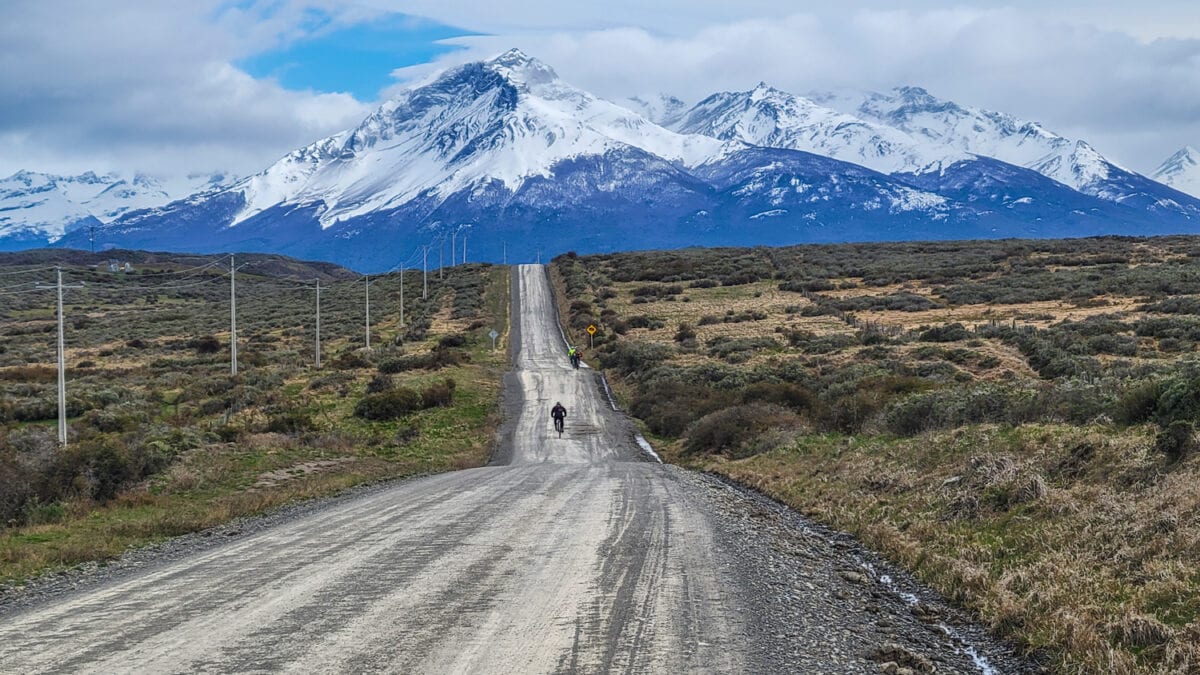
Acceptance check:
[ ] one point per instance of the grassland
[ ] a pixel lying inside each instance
(1011, 420)
(164, 441)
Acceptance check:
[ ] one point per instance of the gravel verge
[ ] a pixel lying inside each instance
(822, 602)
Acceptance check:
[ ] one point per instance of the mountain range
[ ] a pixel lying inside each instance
(38, 207)
(521, 161)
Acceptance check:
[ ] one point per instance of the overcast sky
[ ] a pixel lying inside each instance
(205, 85)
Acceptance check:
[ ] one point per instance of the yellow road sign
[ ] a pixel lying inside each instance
(591, 330)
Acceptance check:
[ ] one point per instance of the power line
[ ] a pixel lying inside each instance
(28, 271)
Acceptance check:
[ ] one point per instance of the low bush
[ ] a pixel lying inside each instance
(1177, 440)
(388, 405)
(685, 332)
(206, 344)
(951, 332)
(734, 431)
(631, 356)
(350, 361)
(381, 382)
(436, 359)
(290, 421)
(438, 395)
(740, 349)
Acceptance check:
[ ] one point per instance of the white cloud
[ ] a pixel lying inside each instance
(145, 84)
(1134, 100)
(149, 85)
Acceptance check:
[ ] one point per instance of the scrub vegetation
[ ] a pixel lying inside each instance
(164, 440)
(1013, 421)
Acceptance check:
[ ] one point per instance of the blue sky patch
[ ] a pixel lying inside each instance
(355, 59)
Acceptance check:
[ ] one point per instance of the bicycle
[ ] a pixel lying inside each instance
(558, 426)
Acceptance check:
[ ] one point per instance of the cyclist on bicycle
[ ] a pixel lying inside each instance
(573, 354)
(559, 413)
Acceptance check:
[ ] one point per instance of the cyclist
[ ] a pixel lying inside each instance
(573, 354)
(559, 413)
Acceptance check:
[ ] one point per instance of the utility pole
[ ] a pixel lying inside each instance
(424, 272)
(62, 354)
(441, 255)
(464, 258)
(504, 253)
(453, 236)
(368, 278)
(318, 350)
(402, 295)
(232, 317)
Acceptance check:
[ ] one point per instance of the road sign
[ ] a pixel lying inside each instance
(591, 330)
(493, 334)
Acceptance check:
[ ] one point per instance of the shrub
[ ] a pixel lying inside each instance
(290, 421)
(1179, 400)
(350, 361)
(785, 394)
(388, 405)
(435, 360)
(1177, 441)
(632, 356)
(951, 332)
(381, 382)
(739, 348)
(685, 332)
(669, 406)
(734, 431)
(438, 395)
(453, 340)
(206, 344)
(1137, 403)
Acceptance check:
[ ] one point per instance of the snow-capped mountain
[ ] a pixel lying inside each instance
(1181, 171)
(508, 151)
(776, 119)
(506, 120)
(40, 206)
(957, 128)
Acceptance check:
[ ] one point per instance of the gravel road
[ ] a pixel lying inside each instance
(572, 554)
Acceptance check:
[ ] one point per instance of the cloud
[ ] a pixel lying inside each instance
(1136, 100)
(149, 85)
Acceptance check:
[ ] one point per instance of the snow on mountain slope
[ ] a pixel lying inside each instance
(34, 205)
(46, 206)
(768, 117)
(981, 132)
(662, 109)
(1181, 171)
(506, 120)
(1009, 139)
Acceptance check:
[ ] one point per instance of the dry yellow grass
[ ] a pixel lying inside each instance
(1081, 542)
(1072, 540)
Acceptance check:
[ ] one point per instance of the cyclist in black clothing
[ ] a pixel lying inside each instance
(559, 413)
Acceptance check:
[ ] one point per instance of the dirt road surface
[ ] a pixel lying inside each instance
(571, 555)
